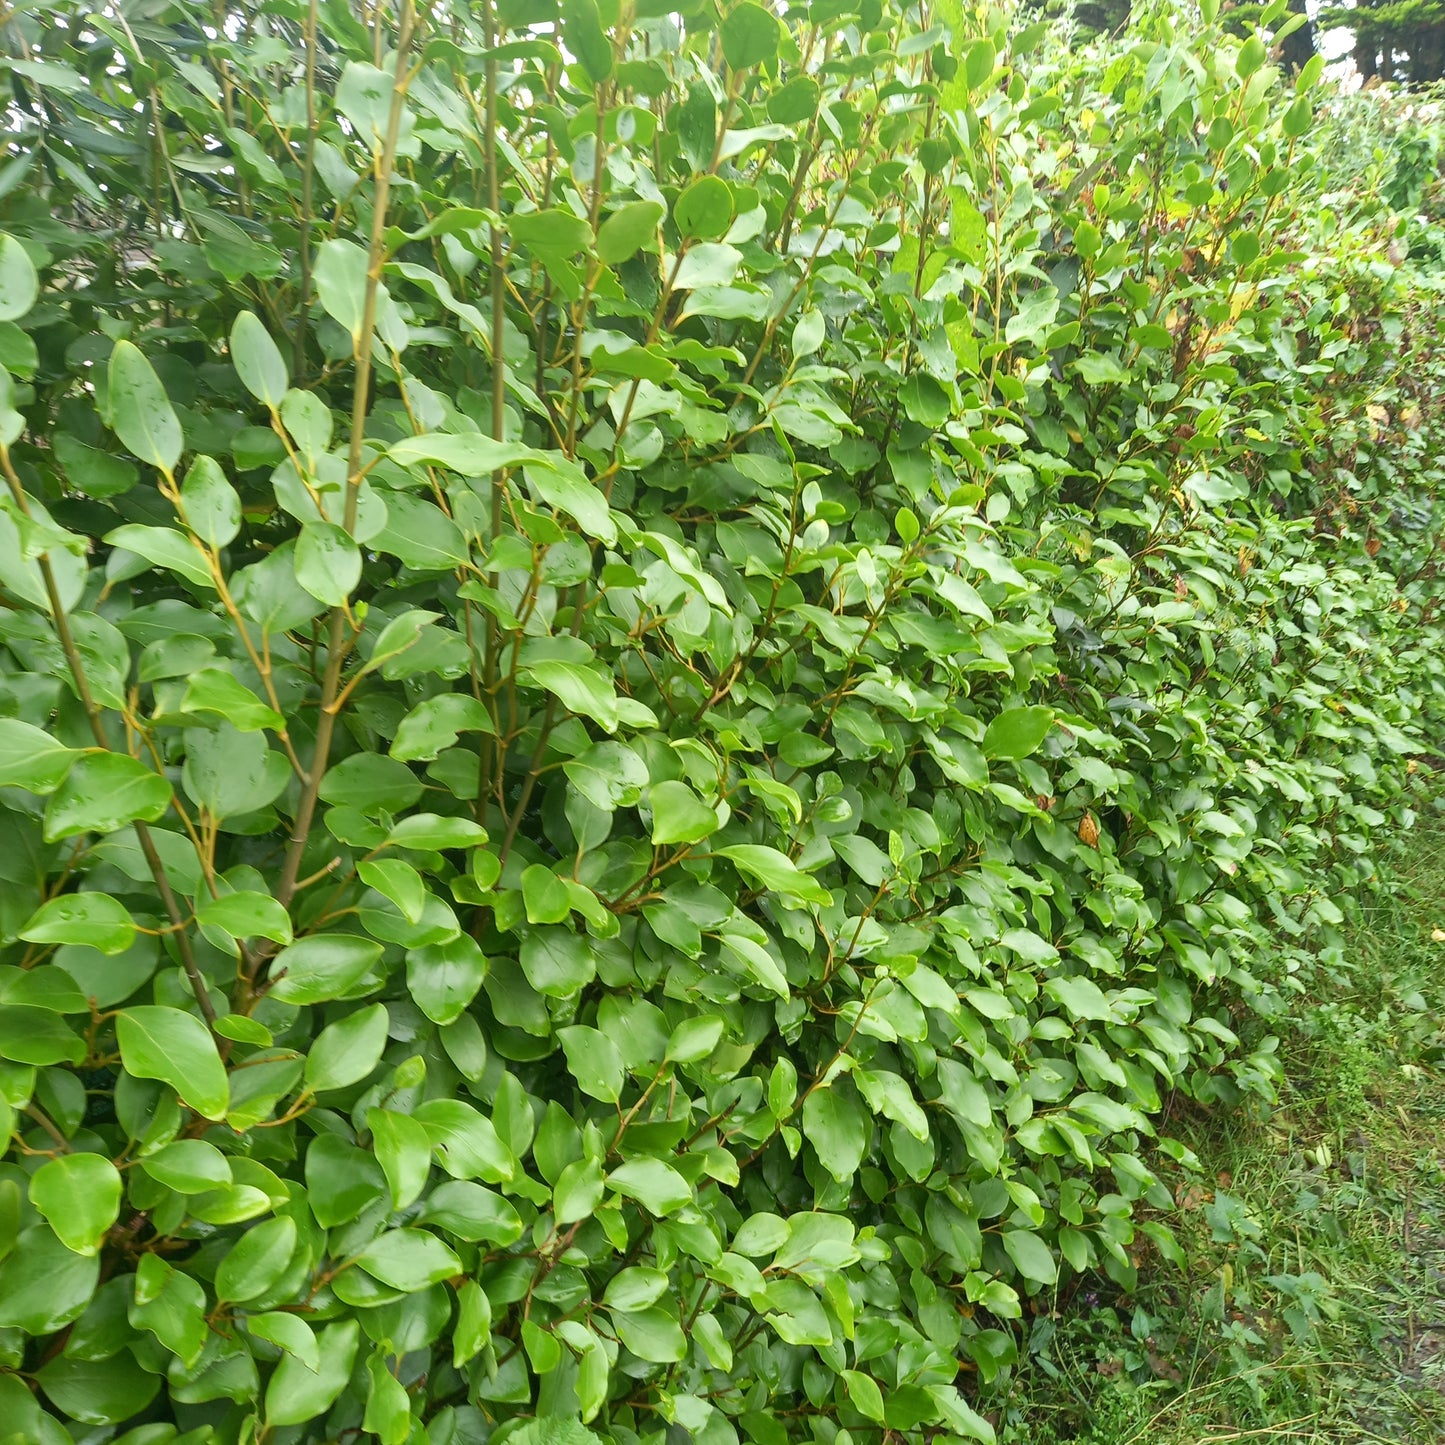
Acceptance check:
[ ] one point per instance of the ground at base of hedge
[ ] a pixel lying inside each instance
(1313, 1309)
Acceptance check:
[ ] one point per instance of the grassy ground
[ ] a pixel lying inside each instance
(1313, 1309)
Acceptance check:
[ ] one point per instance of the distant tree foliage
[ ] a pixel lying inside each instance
(1403, 40)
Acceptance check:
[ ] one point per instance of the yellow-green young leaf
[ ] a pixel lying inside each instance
(258, 360)
(163, 1043)
(19, 284)
(140, 411)
(79, 1196)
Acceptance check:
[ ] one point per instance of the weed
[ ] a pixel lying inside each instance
(1312, 1305)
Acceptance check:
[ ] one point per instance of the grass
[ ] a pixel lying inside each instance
(1313, 1306)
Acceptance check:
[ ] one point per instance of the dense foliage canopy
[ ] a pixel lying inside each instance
(665, 670)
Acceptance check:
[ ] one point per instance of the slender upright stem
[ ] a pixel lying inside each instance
(336, 638)
(78, 675)
(492, 757)
(308, 196)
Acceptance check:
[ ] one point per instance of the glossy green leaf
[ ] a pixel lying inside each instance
(346, 1052)
(212, 505)
(257, 1260)
(19, 283)
(750, 35)
(704, 209)
(79, 1197)
(94, 919)
(296, 1393)
(215, 691)
(328, 562)
(140, 411)
(103, 792)
(657, 1186)
(167, 1044)
(409, 1259)
(1033, 1257)
(1017, 732)
(32, 759)
(628, 230)
(443, 978)
(679, 815)
(258, 360)
(44, 1285)
(435, 723)
(247, 915)
(403, 1149)
(322, 966)
(166, 548)
(98, 1392)
(776, 872)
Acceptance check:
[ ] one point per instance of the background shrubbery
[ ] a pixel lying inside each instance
(657, 692)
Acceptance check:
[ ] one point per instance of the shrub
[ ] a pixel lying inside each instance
(662, 673)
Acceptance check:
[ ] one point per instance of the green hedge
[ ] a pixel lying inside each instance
(663, 673)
